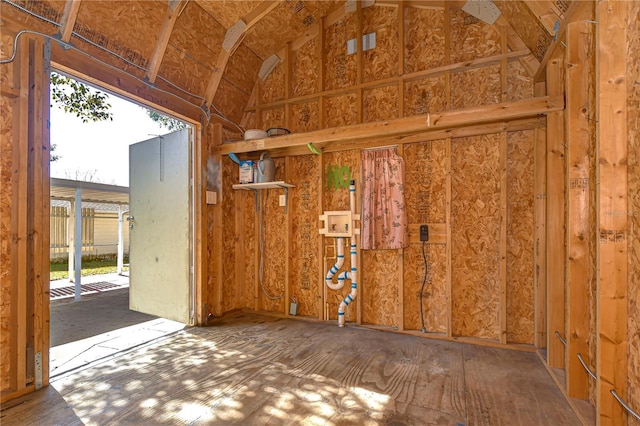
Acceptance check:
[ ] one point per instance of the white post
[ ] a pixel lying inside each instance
(71, 227)
(78, 243)
(121, 214)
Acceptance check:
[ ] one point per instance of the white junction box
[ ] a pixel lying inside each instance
(282, 200)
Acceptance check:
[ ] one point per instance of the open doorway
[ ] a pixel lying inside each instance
(100, 318)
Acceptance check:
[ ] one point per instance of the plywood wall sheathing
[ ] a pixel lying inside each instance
(633, 118)
(229, 288)
(336, 199)
(7, 134)
(475, 210)
(425, 96)
(425, 170)
(229, 98)
(380, 104)
(272, 88)
(304, 117)
(472, 38)
(340, 68)
(273, 118)
(381, 62)
(476, 87)
(425, 47)
(303, 208)
(249, 240)
(275, 237)
(381, 281)
(520, 244)
(304, 70)
(519, 82)
(340, 110)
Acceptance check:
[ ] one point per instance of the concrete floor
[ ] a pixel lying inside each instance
(99, 327)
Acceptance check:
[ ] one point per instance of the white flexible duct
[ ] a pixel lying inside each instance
(335, 268)
(354, 261)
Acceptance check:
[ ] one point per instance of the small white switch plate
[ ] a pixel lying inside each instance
(212, 197)
(282, 200)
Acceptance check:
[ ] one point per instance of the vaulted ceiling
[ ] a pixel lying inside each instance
(208, 54)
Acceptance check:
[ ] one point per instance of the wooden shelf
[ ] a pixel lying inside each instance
(263, 185)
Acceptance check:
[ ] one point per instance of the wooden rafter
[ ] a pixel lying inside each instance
(546, 12)
(515, 43)
(68, 20)
(568, 18)
(250, 20)
(170, 18)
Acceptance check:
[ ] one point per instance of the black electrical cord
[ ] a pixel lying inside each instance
(424, 281)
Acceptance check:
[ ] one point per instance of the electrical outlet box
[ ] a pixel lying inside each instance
(282, 200)
(424, 233)
(212, 197)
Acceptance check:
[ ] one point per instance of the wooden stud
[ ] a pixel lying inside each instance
(555, 220)
(68, 20)
(579, 273)
(288, 64)
(503, 237)
(504, 65)
(613, 226)
(201, 270)
(449, 289)
(240, 261)
(288, 243)
(540, 229)
(401, 40)
(171, 16)
(400, 263)
(359, 70)
(321, 64)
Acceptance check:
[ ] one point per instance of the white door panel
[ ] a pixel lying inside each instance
(159, 205)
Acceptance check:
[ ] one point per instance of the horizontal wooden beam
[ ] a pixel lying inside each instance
(405, 126)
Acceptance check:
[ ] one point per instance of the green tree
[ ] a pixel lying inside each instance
(77, 98)
(168, 123)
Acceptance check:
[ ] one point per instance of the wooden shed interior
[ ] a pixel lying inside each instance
(519, 135)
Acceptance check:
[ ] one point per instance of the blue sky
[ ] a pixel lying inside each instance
(102, 147)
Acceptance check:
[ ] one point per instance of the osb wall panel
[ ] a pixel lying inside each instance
(475, 252)
(381, 62)
(303, 207)
(336, 199)
(341, 110)
(520, 290)
(424, 39)
(380, 278)
(275, 235)
(633, 117)
(519, 83)
(380, 104)
(425, 177)
(6, 156)
(231, 100)
(434, 301)
(249, 237)
(242, 69)
(230, 177)
(304, 72)
(471, 88)
(305, 117)
(425, 96)
(425, 197)
(532, 33)
(471, 38)
(272, 88)
(273, 118)
(340, 68)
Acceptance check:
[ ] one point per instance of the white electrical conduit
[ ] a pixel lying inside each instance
(352, 275)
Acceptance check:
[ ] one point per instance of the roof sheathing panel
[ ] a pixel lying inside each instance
(295, 17)
(128, 28)
(49, 10)
(530, 30)
(198, 35)
(228, 12)
(242, 69)
(186, 73)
